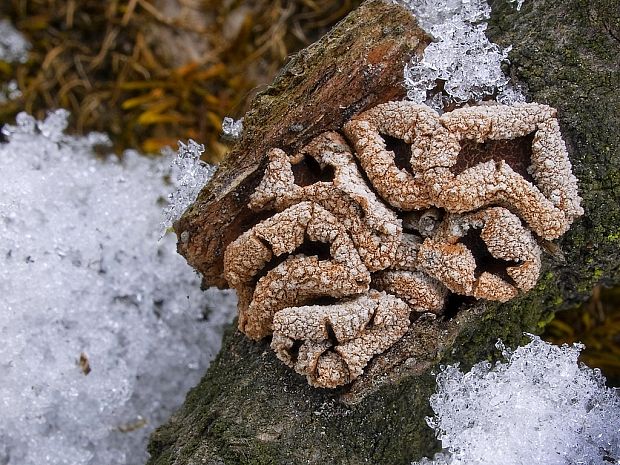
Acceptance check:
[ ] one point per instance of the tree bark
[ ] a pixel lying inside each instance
(250, 408)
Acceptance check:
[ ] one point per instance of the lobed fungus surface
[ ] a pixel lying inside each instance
(363, 239)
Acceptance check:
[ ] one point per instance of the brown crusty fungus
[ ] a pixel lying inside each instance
(349, 256)
(331, 344)
(373, 227)
(298, 278)
(422, 292)
(487, 254)
(390, 135)
(471, 158)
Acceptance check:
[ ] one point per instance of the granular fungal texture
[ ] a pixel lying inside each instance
(487, 254)
(338, 340)
(359, 241)
(374, 228)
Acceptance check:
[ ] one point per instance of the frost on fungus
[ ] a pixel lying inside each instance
(341, 261)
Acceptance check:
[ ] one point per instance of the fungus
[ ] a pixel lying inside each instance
(410, 124)
(331, 344)
(488, 255)
(407, 253)
(471, 158)
(351, 256)
(422, 292)
(548, 201)
(373, 227)
(299, 277)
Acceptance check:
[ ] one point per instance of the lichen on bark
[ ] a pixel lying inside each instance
(250, 409)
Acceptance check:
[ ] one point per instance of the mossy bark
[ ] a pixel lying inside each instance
(251, 409)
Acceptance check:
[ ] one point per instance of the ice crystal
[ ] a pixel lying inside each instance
(13, 46)
(461, 58)
(190, 174)
(103, 329)
(9, 91)
(232, 128)
(431, 13)
(510, 94)
(539, 407)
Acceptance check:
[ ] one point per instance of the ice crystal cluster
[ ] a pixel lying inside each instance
(13, 46)
(460, 57)
(232, 128)
(190, 174)
(540, 407)
(9, 91)
(103, 329)
(518, 2)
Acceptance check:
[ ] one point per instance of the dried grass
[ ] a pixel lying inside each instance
(151, 72)
(597, 325)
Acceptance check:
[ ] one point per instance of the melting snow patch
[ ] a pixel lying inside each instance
(103, 329)
(539, 407)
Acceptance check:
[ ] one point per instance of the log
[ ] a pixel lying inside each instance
(249, 407)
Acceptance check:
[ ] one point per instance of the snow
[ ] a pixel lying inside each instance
(190, 174)
(103, 329)
(9, 91)
(540, 406)
(13, 45)
(13, 48)
(232, 128)
(461, 57)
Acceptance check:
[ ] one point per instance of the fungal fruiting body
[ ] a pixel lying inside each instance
(361, 238)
